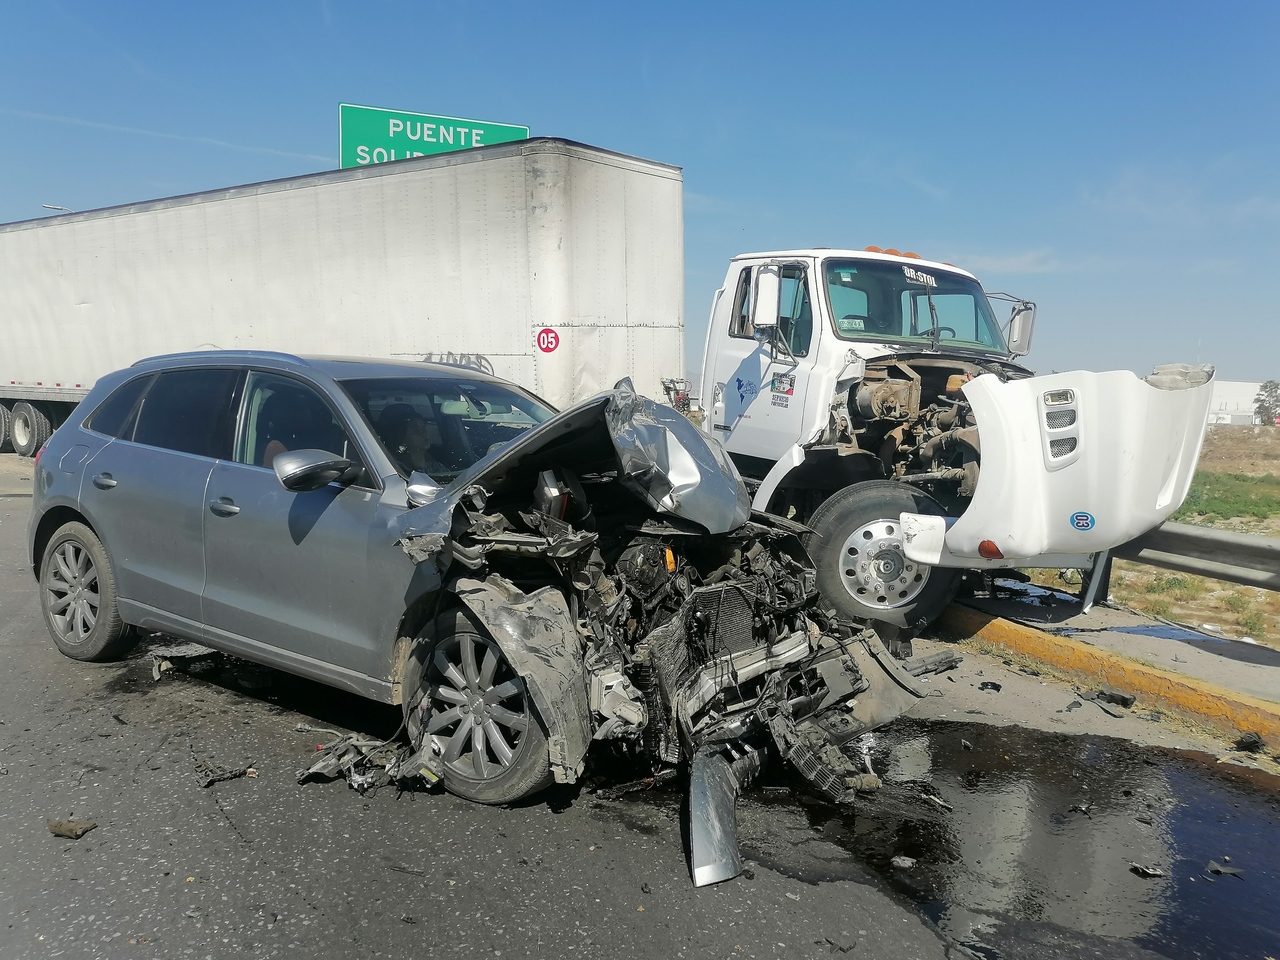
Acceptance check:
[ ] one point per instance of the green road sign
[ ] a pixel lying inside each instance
(373, 135)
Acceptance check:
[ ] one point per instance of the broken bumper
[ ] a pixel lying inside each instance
(1072, 464)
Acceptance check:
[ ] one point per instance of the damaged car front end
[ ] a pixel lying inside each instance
(607, 585)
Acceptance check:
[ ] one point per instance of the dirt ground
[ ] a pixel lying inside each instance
(1251, 451)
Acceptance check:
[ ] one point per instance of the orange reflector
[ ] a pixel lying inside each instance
(892, 252)
(913, 256)
(671, 561)
(989, 550)
(872, 250)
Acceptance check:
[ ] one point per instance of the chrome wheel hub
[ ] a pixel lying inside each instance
(875, 569)
(476, 709)
(71, 592)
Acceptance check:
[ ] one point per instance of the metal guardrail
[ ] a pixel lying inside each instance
(1242, 558)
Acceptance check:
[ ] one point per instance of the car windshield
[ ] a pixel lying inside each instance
(897, 302)
(441, 426)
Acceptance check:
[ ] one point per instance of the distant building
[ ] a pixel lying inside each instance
(1233, 401)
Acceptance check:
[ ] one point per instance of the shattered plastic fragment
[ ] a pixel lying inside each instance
(70, 829)
(1144, 871)
(1223, 871)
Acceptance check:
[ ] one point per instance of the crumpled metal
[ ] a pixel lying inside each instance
(670, 464)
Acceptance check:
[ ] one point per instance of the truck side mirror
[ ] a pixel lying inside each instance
(764, 311)
(1021, 322)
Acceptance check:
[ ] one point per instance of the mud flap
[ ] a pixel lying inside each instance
(540, 639)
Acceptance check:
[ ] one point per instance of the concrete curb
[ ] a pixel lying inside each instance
(1230, 712)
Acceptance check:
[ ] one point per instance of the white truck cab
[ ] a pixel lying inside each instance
(876, 397)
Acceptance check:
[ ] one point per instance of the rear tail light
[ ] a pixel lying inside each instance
(35, 463)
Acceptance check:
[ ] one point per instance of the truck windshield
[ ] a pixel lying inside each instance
(894, 302)
(442, 426)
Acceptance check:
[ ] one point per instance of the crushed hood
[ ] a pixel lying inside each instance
(660, 456)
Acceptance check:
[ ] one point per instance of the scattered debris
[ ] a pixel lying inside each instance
(1073, 705)
(1222, 870)
(1125, 700)
(368, 763)
(1029, 671)
(644, 888)
(793, 896)
(965, 745)
(1145, 872)
(119, 719)
(70, 829)
(211, 773)
(162, 657)
(989, 685)
(903, 863)
(1250, 743)
(1095, 696)
(1085, 808)
(636, 786)
(1144, 818)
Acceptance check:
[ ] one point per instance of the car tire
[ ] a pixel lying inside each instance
(29, 428)
(78, 597)
(456, 671)
(863, 571)
(6, 417)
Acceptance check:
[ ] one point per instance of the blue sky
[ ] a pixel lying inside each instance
(1115, 162)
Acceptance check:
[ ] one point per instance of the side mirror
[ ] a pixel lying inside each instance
(421, 489)
(764, 311)
(1021, 322)
(305, 470)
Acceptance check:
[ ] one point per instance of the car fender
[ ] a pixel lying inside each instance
(538, 635)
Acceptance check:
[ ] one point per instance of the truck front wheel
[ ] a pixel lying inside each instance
(863, 570)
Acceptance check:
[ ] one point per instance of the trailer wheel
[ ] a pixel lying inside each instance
(29, 428)
(863, 569)
(6, 417)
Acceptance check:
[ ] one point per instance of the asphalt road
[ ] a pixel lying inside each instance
(1019, 839)
(263, 867)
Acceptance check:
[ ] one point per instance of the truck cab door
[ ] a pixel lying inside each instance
(760, 375)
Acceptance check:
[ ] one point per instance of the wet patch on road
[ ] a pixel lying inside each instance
(1020, 843)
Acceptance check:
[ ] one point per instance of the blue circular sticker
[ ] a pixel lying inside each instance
(1082, 520)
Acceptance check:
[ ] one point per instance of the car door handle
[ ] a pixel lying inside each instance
(224, 507)
(104, 481)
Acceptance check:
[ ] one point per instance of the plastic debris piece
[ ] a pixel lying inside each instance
(1125, 700)
(211, 773)
(1250, 743)
(989, 685)
(903, 863)
(1144, 871)
(966, 745)
(793, 896)
(1222, 870)
(70, 829)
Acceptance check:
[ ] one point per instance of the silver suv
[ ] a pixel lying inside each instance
(524, 583)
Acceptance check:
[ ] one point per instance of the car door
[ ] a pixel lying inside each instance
(144, 492)
(315, 574)
(761, 388)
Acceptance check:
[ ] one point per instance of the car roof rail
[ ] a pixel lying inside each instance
(240, 355)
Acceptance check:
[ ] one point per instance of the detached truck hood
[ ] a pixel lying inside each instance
(1072, 464)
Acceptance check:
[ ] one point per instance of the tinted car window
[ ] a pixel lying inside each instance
(281, 414)
(190, 411)
(114, 416)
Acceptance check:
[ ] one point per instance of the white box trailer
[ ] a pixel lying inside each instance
(553, 264)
